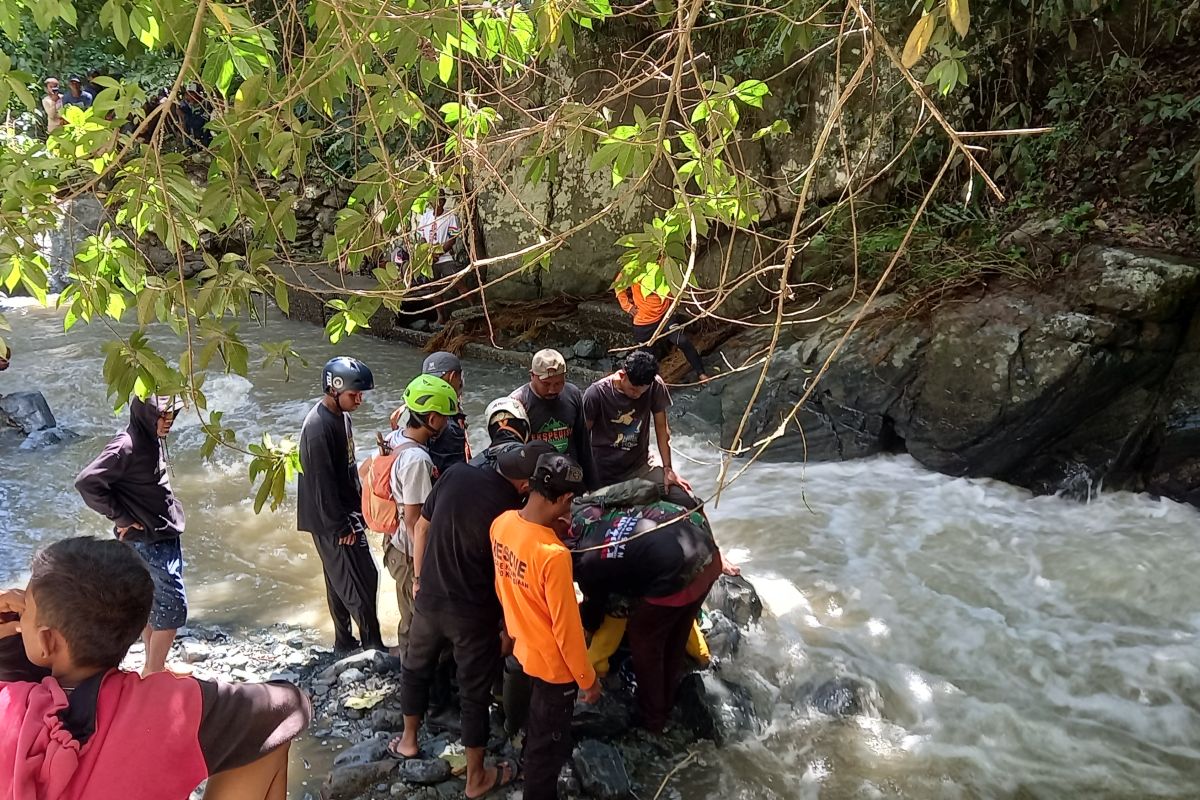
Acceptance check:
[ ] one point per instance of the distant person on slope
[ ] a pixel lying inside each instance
(52, 105)
(329, 504)
(130, 484)
(647, 310)
(555, 411)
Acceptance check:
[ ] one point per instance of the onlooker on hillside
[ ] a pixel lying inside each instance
(52, 104)
(647, 310)
(76, 95)
(439, 228)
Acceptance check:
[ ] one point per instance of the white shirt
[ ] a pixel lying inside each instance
(438, 230)
(411, 482)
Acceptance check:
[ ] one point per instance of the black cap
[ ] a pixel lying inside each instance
(440, 363)
(75, 79)
(557, 474)
(518, 461)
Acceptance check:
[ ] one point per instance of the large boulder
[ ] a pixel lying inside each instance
(1060, 387)
(26, 411)
(601, 770)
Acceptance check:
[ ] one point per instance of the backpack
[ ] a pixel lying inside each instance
(378, 504)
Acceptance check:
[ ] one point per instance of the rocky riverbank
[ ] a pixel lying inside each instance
(356, 711)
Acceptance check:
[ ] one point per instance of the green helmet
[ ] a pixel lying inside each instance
(426, 393)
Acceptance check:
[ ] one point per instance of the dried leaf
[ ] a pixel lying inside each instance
(960, 15)
(918, 40)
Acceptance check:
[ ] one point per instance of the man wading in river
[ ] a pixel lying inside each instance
(329, 504)
(130, 483)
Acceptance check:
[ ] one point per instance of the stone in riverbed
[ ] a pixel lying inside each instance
(588, 348)
(736, 598)
(608, 718)
(48, 438)
(194, 652)
(365, 752)
(27, 411)
(601, 770)
(423, 771)
(841, 697)
(366, 661)
(351, 782)
(714, 709)
(352, 675)
(723, 636)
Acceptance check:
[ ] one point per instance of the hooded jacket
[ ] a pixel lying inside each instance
(128, 482)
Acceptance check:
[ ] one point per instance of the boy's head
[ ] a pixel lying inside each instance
(637, 374)
(557, 479)
(87, 602)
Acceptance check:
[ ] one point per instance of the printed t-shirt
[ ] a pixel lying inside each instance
(561, 423)
(533, 580)
(621, 426)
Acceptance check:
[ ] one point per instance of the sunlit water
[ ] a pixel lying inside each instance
(1019, 647)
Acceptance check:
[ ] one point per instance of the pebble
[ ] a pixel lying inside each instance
(423, 771)
(352, 675)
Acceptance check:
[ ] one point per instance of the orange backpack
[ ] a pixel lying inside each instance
(378, 504)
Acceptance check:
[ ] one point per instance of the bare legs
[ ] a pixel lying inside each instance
(158, 646)
(265, 779)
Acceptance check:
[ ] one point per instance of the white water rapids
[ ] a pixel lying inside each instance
(1018, 646)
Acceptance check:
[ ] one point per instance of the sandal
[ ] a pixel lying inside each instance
(394, 753)
(506, 774)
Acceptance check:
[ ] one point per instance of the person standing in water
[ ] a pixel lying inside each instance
(329, 504)
(130, 484)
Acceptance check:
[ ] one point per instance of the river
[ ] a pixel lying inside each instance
(1019, 646)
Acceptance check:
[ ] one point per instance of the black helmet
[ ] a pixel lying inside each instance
(345, 374)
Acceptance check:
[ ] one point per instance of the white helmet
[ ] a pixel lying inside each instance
(506, 420)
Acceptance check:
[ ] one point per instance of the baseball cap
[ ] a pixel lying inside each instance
(548, 364)
(558, 474)
(518, 461)
(440, 363)
(75, 79)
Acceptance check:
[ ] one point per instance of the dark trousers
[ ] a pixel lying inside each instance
(547, 737)
(673, 335)
(351, 583)
(657, 643)
(476, 644)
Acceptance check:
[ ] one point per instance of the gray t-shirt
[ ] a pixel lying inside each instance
(411, 482)
(621, 426)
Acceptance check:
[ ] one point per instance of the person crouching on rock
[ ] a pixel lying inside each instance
(663, 559)
(130, 483)
(329, 504)
(534, 583)
(73, 726)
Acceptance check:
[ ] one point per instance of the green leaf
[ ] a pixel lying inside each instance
(281, 296)
(752, 92)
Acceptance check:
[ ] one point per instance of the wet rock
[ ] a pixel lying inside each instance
(601, 770)
(287, 675)
(722, 635)
(387, 719)
(736, 599)
(840, 697)
(27, 411)
(352, 675)
(351, 782)
(366, 752)
(588, 348)
(49, 437)
(608, 718)
(715, 709)
(423, 771)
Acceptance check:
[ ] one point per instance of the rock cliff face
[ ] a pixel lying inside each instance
(1094, 379)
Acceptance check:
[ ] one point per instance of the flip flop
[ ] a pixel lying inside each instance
(391, 751)
(504, 769)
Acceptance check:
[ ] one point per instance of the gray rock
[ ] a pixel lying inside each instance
(715, 709)
(352, 675)
(366, 661)
(365, 752)
(423, 771)
(193, 652)
(723, 636)
(841, 697)
(27, 411)
(350, 782)
(588, 348)
(387, 719)
(420, 325)
(286, 675)
(736, 599)
(49, 437)
(601, 770)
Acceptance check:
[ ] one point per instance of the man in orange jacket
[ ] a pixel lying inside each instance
(647, 311)
(536, 589)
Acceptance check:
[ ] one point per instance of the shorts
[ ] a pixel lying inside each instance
(444, 269)
(165, 562)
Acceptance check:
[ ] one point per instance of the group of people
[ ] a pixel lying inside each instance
(190, 113)
(485, 550)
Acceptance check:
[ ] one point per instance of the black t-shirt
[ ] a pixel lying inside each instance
(449, 447)
(560, 422)
(457, 573)
(328, 494)
(621, 426)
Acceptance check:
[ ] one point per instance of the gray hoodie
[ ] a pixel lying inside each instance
(128, 482)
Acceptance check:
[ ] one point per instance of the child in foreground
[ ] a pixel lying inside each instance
(75, 727)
